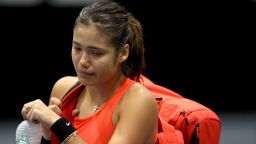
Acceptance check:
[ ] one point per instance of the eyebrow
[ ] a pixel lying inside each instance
(90, 47)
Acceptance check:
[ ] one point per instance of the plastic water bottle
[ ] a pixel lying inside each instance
(28, 133)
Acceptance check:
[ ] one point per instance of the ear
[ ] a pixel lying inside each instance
(124, 53)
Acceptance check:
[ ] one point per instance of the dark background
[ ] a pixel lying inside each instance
(203, 50)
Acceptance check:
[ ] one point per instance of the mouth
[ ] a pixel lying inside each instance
(85, 74)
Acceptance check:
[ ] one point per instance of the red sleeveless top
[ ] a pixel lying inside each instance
(97, 128)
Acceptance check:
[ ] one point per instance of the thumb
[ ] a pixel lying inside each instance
(75, 112)
(55, 108)
(55, 101)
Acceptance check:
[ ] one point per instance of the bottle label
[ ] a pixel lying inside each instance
(22, 140)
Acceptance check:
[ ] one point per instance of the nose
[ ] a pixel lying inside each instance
(84, 60)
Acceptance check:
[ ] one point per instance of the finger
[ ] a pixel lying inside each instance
(55, 108)
(30, 115)
(55, 101)
(75, 112)
(26, 109)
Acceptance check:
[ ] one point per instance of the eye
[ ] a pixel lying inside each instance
(77, 48)
(97, 53)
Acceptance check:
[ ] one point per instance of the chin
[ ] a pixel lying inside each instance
(85, 81)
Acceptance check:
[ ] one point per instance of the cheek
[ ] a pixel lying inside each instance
(75, 60)
(106, 66)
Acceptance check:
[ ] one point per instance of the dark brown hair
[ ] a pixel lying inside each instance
(122, 28)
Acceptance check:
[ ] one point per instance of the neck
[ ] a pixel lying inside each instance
(101, 93)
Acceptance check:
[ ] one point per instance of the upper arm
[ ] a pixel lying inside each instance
(62, 85)
(138, 116)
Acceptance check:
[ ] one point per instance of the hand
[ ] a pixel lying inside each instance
(37, 111)
(54, 105)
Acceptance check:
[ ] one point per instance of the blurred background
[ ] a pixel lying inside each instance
(203, 50)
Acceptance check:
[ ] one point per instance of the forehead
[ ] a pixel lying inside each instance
(90, 35)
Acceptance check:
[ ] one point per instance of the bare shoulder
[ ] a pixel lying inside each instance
(137, 116)
(62, 85)
(138, 94)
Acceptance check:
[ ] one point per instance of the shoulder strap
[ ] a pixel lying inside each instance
(74, 86)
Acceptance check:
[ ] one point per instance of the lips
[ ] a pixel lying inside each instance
(85, 74)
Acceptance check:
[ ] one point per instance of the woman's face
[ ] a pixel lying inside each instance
(93, 55)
